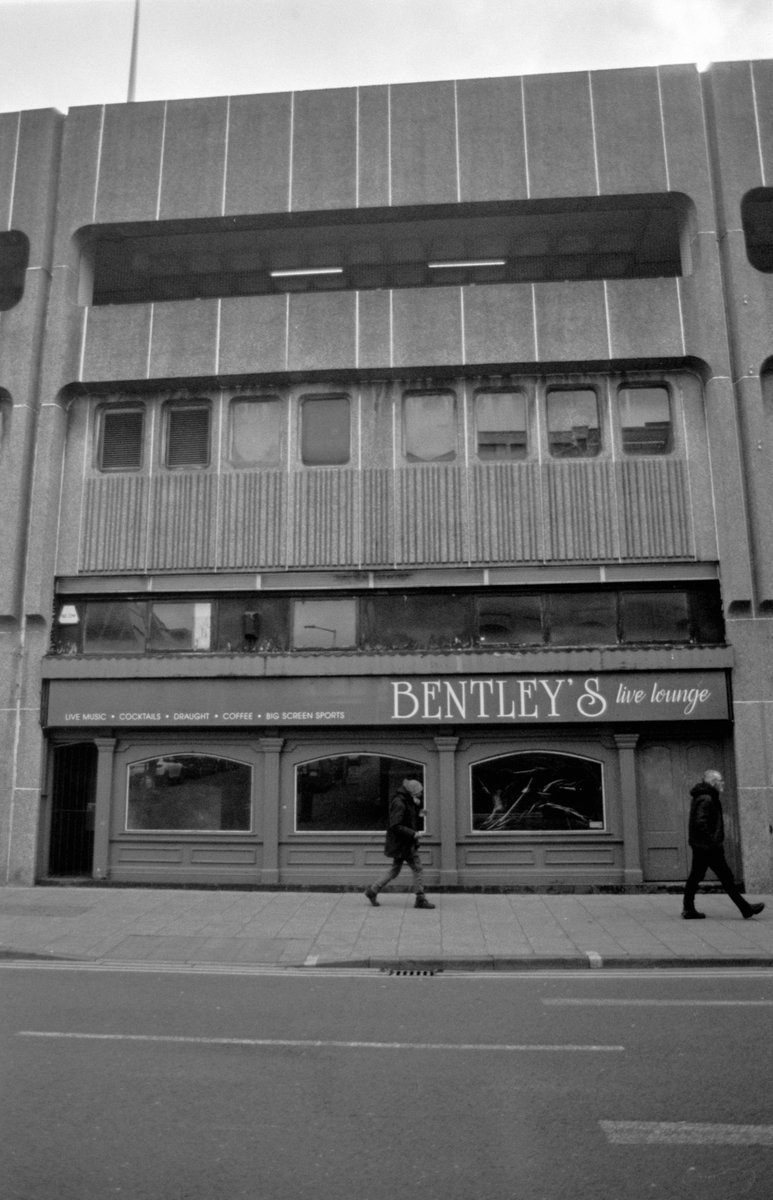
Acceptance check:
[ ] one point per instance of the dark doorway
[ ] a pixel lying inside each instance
(72, 810)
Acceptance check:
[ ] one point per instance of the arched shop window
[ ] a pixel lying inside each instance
(537, 791)
(194, 793)
(350, 792)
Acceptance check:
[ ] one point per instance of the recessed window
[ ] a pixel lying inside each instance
(416, 622)
(573, 423)
(537, 792)
(122, 432)
(504, 620)
(655, 616)
(757, 221)
(500, 425)
(325, 431)
(14, 259)
(349, 792)
(324, 624)
(113, 626)
(645, 420)
(256, 431)
(195, 793)
(253, 624)
(180, 625)
(582, 618)
(429, 426)
(187, 435)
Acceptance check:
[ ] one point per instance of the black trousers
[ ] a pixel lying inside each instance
(712, 859)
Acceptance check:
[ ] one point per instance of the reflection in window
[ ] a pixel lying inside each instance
(429, 426)
(180, 626)
(645, 420)
(510, 620)
(324, 624)
(325, 431)
(193, 792)
(537, 791)
(655, 616)
(256, 429)
(349, 792)
(573, 423)
(114, 626)
(122, 434)
(405, 622)
(500, 424)
(583, 618)
(253, 624)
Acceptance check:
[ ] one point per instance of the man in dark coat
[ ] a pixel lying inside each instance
(706, 835)
(402, 841)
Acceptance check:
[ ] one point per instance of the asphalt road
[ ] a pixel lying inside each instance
(178, 1085)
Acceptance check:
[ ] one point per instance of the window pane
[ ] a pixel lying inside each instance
(187, 437)
(253, 625)
(583, 619)
(510, 620)
(645, 420)
(655, 616)
(189, 791)
(708, 625)
(122, 437)
(500, 423)
(429, 426)
(180, 625)
(349, 792)
(416, 622)
(573, 423)
(537, 791)
(325, 431)
(256, 429)
(114, 627)
(324, 624)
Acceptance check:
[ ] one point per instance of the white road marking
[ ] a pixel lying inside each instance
(566, 1001)
(303, 1043)
(684, 1133)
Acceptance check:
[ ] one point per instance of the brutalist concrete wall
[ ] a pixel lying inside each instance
(740, 115)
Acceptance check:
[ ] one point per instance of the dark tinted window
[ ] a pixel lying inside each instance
(537, 792)
(325, 434)
(582, 618)
(189, 792)
(350, 791)
(14, 259)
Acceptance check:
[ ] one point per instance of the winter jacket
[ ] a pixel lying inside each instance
(706, 829)
(404, 819)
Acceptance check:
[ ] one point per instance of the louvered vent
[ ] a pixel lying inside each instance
(188, 437)
(122, 436)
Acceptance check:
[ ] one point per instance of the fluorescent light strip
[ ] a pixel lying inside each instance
(307, 271)
(476, 262)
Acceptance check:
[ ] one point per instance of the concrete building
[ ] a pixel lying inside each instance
(354, 434)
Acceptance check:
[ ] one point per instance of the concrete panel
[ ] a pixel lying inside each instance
(258, 167)
(629, 132)
(34, 192)
(755, 418)
(16, 462)
(727, 475)
(492, 159)
(184, 339)
(117, 342)
(684, 132)
(730, 93)
(9, 141)
(762, 75)
(748, 306)
(373, 133)
(559, 135)
(703, 308)
(324, 149)
(644, 318)
(427, 327)
(571, 322)
(499, 324)
(253, 335)
(130, 162)
(374, 329)
(78, 179)
(424, 166)
(20, 339)
(322, 331)
(193, 167)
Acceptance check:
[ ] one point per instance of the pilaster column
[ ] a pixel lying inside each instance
(629, 807)
(270, 799)
(104, 786)
(446, 808)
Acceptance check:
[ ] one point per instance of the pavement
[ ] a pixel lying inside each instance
(466, 931)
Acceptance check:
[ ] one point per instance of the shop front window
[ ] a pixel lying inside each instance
(350, 792)
(405, 622)
(324, 624)
(189, 792)
(537, 792)
(180, 626)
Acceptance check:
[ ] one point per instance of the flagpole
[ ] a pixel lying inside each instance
(133, 57)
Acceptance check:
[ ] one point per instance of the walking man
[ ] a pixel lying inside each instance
(402, 841)
(706, 836)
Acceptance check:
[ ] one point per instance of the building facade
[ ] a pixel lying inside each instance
(354, 434)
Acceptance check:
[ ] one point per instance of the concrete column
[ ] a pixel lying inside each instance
(629, 805)
(270, 799)
(104, 788)
(446, 808)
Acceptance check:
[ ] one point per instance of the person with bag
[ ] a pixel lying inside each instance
(402, 841)
(706, 835)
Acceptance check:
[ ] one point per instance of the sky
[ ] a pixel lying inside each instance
(62, 53)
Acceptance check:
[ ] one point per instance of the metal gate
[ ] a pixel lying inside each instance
(71, 844)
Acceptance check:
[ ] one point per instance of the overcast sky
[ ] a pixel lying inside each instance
(60, 53)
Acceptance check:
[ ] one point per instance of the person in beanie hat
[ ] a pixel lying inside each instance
(402, 841)
(706, 835)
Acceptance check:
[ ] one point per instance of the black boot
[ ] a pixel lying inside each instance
(422, 901)
(692, 914)
(753, 910)
(372, 895)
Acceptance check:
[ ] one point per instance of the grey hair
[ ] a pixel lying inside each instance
(712, 776)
